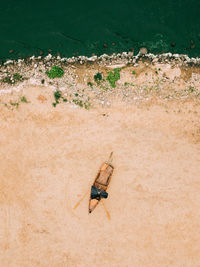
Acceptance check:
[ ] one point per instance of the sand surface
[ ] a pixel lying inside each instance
(49, 158)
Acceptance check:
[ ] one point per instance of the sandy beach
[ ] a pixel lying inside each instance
(50, 154)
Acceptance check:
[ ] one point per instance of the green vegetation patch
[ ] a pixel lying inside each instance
(79, 101)
(113, 76)
(55, 72)
(16, 103)
(191, 89)
(23, 99)
(98, 77)
(90, 84)
(12, 79)
(58, 96)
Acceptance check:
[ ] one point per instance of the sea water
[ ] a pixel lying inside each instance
(73, 28)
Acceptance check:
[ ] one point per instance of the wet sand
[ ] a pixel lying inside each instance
(49, 158)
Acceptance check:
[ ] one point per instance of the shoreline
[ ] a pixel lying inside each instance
(141, 77)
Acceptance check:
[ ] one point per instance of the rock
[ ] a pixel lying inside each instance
(173, 44)
(143, 50)
(130, 53)
(11, 51)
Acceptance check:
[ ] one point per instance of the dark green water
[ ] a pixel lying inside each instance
(84, 27)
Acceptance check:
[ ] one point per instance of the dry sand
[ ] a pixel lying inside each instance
(49, 158)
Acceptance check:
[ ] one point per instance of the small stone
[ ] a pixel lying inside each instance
(11, 51)
(113, 43)
(173, 44)
(105, 45)
(143, 50)
(49, 51)
(41, 53)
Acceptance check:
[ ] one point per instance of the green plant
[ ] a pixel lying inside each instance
(191, 89)
(78, 102)
(104, 87)
(113, 76)
(16, 104)
(23, 99)
(7, 80)
(58, 96)
(87, 104)
(133, 72)
(17, 77)
(98, 77)
(81, 103)
(90, 84)
(55, 72)
(12, 79)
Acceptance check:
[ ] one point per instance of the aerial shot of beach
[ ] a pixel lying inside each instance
(99, 135)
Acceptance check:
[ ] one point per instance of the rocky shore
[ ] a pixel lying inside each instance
(87, 82)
